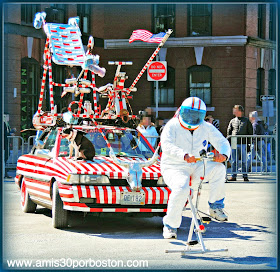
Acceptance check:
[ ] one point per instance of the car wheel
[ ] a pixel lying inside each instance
(59, 215)
(27, 205)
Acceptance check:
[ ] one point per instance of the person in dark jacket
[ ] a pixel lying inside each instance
(239, 125)
(258, 145)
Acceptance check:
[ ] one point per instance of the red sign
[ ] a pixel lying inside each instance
(157, 71)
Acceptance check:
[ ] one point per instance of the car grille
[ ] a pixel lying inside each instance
(123, 182)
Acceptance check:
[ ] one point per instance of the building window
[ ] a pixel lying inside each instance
(272, 22)
(28, 12)
(261, 21)
(164, 18)
(56, 13)
(29, 92)
(199, 82)
(260, 86)
(83, 12)
(166, 90)
(199, 20)
(272, 84)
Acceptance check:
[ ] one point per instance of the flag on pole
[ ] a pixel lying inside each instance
(146, 36)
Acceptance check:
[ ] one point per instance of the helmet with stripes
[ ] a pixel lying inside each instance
(192, 113)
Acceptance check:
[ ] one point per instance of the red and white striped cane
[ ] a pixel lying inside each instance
(50, 82)
(94, 93)
(168, 33)
(44, 77)
(82, 95)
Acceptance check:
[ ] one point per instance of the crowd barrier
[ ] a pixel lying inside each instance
(249, 153)
(15, 148)
(252, 154)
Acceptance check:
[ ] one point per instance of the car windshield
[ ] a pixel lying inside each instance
(125, 143)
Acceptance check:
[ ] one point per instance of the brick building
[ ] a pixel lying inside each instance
(223, 53)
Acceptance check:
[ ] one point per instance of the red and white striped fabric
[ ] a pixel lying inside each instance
(65, 44)
(84, 208)
(146, 36)
(111, 194)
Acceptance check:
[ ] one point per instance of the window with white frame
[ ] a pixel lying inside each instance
(199, 82)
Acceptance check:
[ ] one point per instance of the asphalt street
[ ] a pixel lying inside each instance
(250, 234)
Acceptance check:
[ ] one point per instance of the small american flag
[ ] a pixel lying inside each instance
(146, 36)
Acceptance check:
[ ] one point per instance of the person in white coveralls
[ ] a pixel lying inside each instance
(182, 138)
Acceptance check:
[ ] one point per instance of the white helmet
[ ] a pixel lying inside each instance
(192, 113)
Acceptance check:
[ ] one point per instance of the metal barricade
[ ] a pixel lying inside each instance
(14, 151)
(252, 154)
(15, 148)
(30, 143)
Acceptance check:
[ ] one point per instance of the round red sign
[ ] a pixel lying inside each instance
(157, 70)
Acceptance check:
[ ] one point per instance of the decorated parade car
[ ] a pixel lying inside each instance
(87, 159)
(48, 177)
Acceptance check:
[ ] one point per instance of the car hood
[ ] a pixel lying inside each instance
(105, 166)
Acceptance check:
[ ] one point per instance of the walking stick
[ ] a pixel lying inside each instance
(168, 33)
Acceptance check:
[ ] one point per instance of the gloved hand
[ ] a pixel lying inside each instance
(189, 159)
(220, 158)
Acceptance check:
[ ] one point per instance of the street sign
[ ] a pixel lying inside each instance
(157, 71)
(267, 97)
(267, 108)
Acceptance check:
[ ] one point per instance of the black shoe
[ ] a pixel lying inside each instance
(246, 179)
(232, 179)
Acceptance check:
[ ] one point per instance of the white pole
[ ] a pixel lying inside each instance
(157, 93)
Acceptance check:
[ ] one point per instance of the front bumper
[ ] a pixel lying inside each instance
(107, 198)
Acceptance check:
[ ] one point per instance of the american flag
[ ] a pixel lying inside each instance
(146, 36)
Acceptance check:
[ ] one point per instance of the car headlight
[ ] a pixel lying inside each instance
(161, 182)
(87, 179)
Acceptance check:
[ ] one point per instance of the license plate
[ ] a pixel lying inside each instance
(132, 198)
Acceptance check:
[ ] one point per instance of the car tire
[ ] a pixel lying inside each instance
(59, 215)
(27, 205)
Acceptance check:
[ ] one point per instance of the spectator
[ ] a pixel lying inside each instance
(147, 129)
(258, 144)
(159, 127)
(268, 143)
(149, 112)
(209, 119)
(239, 125)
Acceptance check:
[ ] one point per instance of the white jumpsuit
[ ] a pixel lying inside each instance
(177, 141)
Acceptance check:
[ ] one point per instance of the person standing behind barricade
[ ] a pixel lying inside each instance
(149, 112)
(258, 144)
(267, 142)
(239, 125)
(148, 130)
(159, 127)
